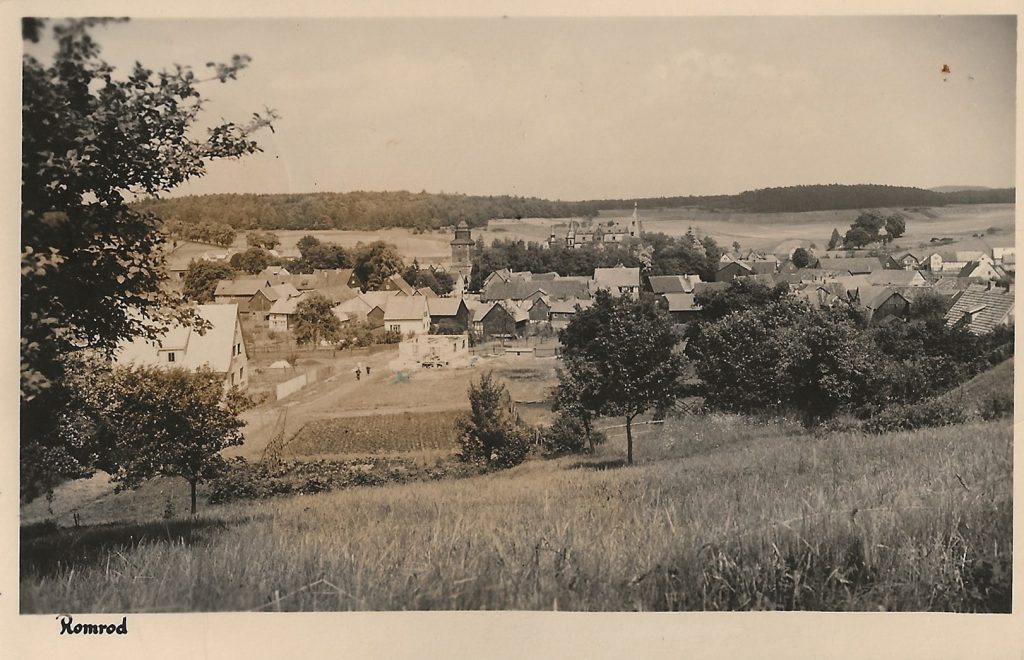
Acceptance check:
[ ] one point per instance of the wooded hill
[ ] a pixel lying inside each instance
(379, 210)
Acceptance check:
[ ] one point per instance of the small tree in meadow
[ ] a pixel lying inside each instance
(159, 422)
(491, 433)
(621, 355)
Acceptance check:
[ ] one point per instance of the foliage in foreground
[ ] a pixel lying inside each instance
(491, 433)
(92, 265)
(701, 523)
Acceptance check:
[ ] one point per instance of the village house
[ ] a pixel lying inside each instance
(880, 303)
(732, 270)
(981, 311)
(659, 284)
(857, 265)
(516, 287)
(539, 311)
(562, 311)
(239, 291)
(397, 283)
(680, 305)
(281, 315)
(453, 310)
(407, 315)
(221, 347)
(620, 281)
(897, 278)
(183, 253)
(981, 270)
(261, 302)
(493, 320)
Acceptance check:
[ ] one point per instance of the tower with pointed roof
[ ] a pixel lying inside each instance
(462, 250)
(635, 227)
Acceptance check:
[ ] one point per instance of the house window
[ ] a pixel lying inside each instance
(241, 370)
(170, 357)
(396, 328)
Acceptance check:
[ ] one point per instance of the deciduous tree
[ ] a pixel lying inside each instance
(202, 277)
(153, 422)
(622, 353)
(315, 321)
(91, 265)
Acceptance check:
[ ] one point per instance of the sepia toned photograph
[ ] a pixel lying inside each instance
(585, 314)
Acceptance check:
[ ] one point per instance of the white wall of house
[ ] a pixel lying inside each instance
(278, 322)
(409, 326)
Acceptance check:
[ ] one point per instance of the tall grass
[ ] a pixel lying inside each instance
(719, 514)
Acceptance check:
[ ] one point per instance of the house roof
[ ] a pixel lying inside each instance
(854, 265)
(569, 306)
(680, 302)
(872, 297)
(518, 289)
(896, 277)
(401, 285)
(992, 308)
(245, 286)
(287, 305)
(278, 291)
(212, 348)
(426, 292)
(763, 266)
(404, 308)
(673, 283)
(619, 276)
(445, 306)
(736, 264)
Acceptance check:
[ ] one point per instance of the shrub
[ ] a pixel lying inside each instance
(907, 417)
(997, 406)
(491, 433)
(567, 435)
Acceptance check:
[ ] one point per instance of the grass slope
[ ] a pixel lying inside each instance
(720, 513)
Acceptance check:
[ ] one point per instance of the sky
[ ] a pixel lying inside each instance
(584, 108)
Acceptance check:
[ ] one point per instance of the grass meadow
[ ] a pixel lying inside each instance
(719, 513)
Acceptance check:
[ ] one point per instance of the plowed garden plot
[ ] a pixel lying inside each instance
(398, 432)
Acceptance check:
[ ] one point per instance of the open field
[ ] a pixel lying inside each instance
(428, 247)
(527, 378)
(719, 513)
(767, 231)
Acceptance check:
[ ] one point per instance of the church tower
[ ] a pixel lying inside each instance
(635, 226)
(462, 250)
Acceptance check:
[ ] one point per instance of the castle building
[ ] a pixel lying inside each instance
(462, 250)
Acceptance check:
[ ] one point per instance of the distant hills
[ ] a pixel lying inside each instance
(945, 189)
(423, 210)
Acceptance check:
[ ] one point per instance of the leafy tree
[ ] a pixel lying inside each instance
(375, 262)
(741, 357)
(828, 365)
(202, 277)
(165, 422)
(857, 237)
(801, 258)
(262, 239)
(315, 321)
(621, 353)
(569, 435)
(573, 400)
(895, 226)
(929, 306)
(251, 261)
(318, 255)
(91, 264)
(741, 294)
(491, 433)
(836, 240)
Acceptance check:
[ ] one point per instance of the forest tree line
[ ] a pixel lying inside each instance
(210, 214)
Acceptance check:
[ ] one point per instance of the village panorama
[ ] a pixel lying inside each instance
(789, 397)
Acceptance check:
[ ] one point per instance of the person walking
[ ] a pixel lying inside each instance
(359, 373)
